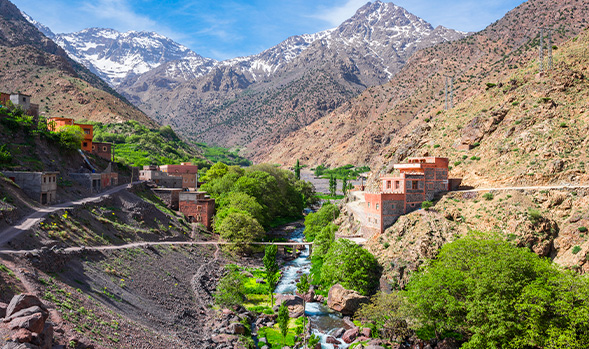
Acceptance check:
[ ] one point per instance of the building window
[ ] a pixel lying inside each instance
(93, 147)
(86, 131)
(44, 179)
(393, 206)
(377, 206)
(414, 185)
(388, 184)
(103, 148)
(369, 205)
(85, 144)
(397, 184)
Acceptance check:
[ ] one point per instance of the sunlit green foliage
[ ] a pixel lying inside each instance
(350, 265)
(500, 296)
(241, 228)
(315, 222)
(230, 289)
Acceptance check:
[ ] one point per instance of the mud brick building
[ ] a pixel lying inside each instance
(161, 179)
(20, 100)
(186, 170)
(418, 180)
(104, 150)
(39, 186)
(197, 207)
(55, 123)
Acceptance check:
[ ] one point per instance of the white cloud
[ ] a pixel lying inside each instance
(338, 14)
(118, 14)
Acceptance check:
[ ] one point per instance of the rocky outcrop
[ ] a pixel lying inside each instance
(345, 301)
(26, 319)
(293, 303)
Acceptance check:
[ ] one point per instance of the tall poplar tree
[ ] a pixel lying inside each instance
(271, 270)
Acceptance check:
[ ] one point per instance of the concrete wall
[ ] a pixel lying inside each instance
(91, 181)
(39, 186)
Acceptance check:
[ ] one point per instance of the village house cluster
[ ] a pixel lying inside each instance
(177, 186)
(42, 185)
(417, 181)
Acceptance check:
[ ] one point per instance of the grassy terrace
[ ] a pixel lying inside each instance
(138, 145)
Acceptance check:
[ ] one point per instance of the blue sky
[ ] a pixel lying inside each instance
(224, 29)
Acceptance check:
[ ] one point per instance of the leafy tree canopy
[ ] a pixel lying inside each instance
(315, 222)
(241, 228)
(350, 265)
(500, 296)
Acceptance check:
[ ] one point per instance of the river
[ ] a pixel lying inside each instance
(323, 320)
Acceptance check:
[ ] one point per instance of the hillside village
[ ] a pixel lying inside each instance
(469, 229)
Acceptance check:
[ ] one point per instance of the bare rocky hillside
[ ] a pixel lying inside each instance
(35, 65)
(387, 123)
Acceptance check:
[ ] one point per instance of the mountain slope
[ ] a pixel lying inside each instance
(260, 99)
(33, 64)
(387, 123)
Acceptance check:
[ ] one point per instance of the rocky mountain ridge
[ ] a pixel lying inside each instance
(248, 102)
(33, 64)
(387, 123)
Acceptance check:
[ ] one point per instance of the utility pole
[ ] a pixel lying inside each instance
(548, 35)
(449, 86)
(541, 58)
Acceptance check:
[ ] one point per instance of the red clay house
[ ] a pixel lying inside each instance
(418, 181)
(197, 207)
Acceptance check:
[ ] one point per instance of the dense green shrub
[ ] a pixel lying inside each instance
(315, 222)
(70, 136)
(323, 240)
(488, 196)
(230, 289)
(499, 296)
(350, 265)
(240, 228)
(534, 215)
(426, 205)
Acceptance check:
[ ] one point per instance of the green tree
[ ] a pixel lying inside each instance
(297, 170)
(71, 136)
(242, 229)
(350, 265)
(500, 296)
(426, 205)
(332, 185)
(271, 268)
(230, 289)
(323, 240)
(216, 171)
(386, 315)
(345, 185)
(283, 318)
(242, 202)
(316, 221)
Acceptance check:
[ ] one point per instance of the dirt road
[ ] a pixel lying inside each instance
(26, 223)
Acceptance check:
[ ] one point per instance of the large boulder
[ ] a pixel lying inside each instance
(350, 335)
(22, 301)
(345, 301)
(293, 303)
(34, 323)
(26, 312)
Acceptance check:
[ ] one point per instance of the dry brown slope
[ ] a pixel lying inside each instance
(360, 130)
(33, 64)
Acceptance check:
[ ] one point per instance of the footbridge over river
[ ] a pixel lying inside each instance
(294, 245)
